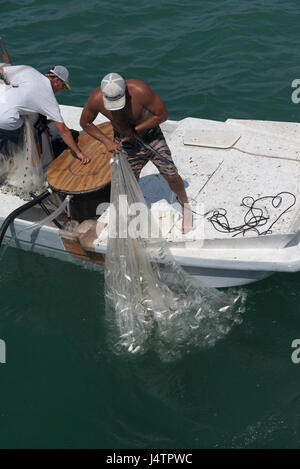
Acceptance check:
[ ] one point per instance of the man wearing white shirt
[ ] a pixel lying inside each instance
(26, 91)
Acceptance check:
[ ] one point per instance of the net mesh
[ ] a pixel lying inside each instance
(20, 167)
(151, 302)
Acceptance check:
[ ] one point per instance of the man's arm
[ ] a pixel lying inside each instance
(67, 137)
(153, 103)
(88, 116)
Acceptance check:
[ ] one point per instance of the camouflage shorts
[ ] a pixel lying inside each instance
(138, 156)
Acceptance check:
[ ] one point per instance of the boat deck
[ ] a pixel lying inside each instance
(264, 162)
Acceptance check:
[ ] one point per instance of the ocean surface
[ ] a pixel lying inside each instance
(62, 385)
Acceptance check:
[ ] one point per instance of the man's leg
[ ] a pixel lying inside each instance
(177, 186)
(165, 164)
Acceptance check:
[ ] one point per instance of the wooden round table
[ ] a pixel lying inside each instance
(68, 175)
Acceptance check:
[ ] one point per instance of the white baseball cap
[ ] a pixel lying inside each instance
(62, 72)
(113, 88)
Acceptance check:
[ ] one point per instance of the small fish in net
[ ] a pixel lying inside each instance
(151, 302)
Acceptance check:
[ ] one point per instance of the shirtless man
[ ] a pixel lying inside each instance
(132, 106)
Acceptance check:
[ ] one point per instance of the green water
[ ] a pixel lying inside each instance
(62, 387)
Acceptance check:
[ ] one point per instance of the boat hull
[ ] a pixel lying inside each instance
(48, 241)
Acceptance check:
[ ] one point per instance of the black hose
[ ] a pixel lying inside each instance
(8, 220)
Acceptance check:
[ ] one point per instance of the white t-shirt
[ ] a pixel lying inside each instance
(33, 94)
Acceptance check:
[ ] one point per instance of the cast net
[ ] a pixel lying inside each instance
(20, 164)
(151, 302)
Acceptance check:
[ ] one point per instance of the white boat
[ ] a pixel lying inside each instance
(221, 163)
